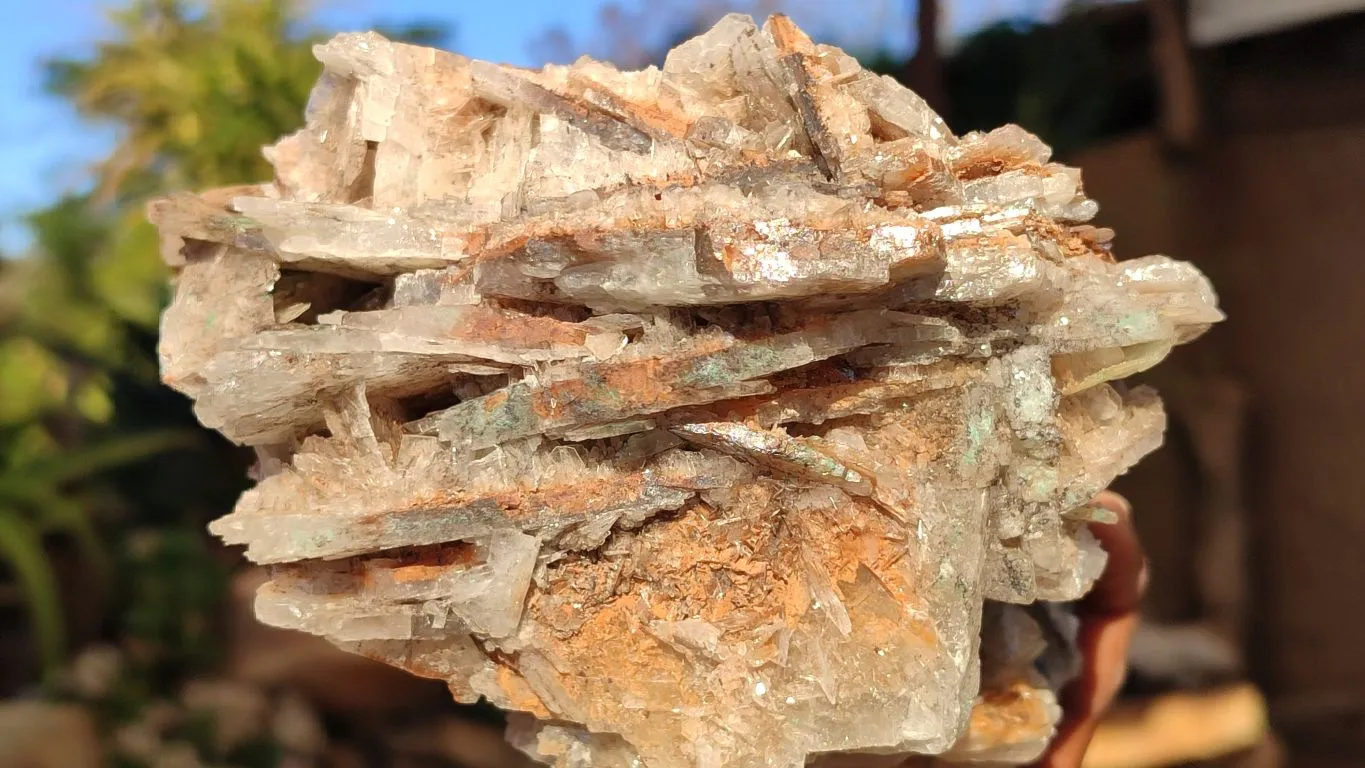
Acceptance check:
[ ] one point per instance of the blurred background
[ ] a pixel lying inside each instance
(1227, 132)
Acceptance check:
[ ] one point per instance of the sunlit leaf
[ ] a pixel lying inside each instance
(129, 276)
(24, 444)
(92, 401)
(32, 380)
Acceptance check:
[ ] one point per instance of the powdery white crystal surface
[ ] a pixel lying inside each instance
(724, 415)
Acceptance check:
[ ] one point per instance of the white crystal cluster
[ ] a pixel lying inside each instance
(721, 415)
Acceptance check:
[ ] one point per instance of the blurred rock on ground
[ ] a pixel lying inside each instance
(36, 734)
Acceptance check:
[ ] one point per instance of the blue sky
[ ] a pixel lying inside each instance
(44, 149)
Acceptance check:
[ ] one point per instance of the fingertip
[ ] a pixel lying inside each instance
(1115, 503)
(1109, 617)
(1124, 582)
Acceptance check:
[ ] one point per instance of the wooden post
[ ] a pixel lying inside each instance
(1181, 121)
(924, 72)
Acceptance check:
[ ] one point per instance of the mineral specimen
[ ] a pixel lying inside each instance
(718, 415)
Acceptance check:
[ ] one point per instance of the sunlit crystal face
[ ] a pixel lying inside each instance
(721, 415)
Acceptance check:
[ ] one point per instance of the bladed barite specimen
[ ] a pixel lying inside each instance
(722, 415)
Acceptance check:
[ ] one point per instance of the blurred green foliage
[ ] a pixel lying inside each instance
(40, 495)
(194, 90)
(1051, 79)
(93, 450)
(1071, 82)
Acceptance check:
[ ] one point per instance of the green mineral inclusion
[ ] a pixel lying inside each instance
(1139, 323)
(980, 425)
(731, 365)
(1042, 481)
